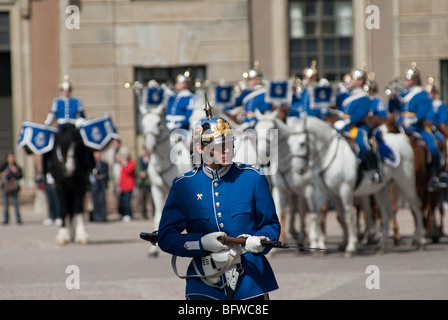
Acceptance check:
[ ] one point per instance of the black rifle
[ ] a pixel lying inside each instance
(152, 237)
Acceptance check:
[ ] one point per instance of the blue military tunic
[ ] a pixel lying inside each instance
(238, 101)
(416, 103)
(357, 106)
(179, 110)
(303, 104)
(235, 199)
(253, 101)
(66, 109)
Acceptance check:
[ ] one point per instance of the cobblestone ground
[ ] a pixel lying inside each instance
(115, 265)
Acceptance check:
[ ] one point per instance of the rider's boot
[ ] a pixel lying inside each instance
(434, 182)
(372, 163)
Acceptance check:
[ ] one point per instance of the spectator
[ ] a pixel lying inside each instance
(99, 177)
(114, 170)
(126, 184)
(10, 174)
(54, 209)
(143, 182)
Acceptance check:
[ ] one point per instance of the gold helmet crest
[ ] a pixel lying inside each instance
(211, 129)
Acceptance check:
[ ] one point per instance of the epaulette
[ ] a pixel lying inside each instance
(188, 174)
(241, 165)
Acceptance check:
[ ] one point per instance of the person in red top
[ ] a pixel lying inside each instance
(127, 183)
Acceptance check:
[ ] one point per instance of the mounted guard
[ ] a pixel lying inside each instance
(67, 155)
(414, 106)
(356, 108)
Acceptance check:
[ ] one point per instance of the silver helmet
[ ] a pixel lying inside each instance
(212, 129)
(310, 72)
(66, 85)
(359, 73)
(413, 72)
(254, 73)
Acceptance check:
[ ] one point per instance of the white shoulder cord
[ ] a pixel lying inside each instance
(233, 252)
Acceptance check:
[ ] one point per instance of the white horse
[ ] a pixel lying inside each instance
(289, 188)
(335, 170)
(168, 159)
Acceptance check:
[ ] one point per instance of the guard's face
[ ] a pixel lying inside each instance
(66, 93)
(411, 82)
(215, 154)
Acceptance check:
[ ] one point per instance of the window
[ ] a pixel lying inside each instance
(321, 30)
(444, 80)
(4, 31)
(164, 75)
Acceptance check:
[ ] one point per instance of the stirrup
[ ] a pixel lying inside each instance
(376, 178)
(434, 184)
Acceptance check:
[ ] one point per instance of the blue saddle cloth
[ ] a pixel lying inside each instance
(36, 138)
(389, 155)
(97, 133)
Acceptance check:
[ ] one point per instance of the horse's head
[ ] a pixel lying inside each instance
(272, 134)
(65, 148)
(299, 144)
(154, 127)
(394, 88)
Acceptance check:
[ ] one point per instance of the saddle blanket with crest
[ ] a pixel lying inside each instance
(36, 138)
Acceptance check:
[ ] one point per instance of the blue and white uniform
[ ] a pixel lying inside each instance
(253, 101)
(234, 199)
(179, 109)
(414, 108)
(65, 110)
(356, 107)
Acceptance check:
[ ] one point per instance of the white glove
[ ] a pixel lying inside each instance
(407, 122)
(211, 243)
(79, 122)
(49, 120)
(340, 124)
(253, 244)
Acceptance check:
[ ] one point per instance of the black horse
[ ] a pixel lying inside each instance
(70, 163)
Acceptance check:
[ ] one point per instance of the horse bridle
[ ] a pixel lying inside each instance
(159, 139)
(308, 156)
(283, 171)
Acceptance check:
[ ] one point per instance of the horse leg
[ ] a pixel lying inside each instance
(371, 227)
(279, 208)
(302, 209)
(306, 203)
(393, 200)
(81, 235)
(316, 234)
(349, 216)
(63, 235)
(292, 214)
(382, 199)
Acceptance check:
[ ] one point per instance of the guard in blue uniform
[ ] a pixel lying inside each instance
(65, 109)
(414, 108)
(378, 107)
(438, 117)
(220, 198)
(344, 90)
(356, 108)
(256, 99)
(310, 79)
(181, 104)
